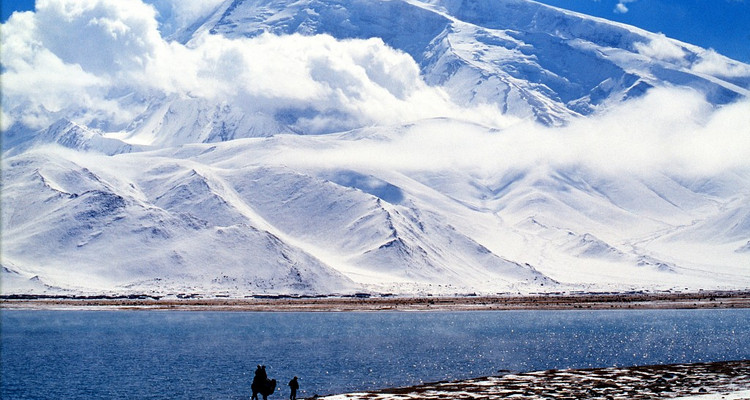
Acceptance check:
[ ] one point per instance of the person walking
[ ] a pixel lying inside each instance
(293, 385)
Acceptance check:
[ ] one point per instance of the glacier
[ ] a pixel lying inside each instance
(411, 147)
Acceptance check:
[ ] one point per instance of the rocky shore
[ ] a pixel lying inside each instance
(702, 381)
(368, 302)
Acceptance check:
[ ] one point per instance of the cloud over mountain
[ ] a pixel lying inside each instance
(314, 83)
(686, 136)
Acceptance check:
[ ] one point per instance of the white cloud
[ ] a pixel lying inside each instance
(621, 8)
(103, 37)
(70, 58)
(713, 63)
(662, 48)
(319, 83)
(673, 131)
(6, 121)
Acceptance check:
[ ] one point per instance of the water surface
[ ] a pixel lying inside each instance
(212, 355)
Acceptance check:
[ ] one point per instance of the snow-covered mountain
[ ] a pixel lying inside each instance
(530, 59)
(394, 146)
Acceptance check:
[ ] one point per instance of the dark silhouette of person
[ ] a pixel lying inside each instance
(294, 385)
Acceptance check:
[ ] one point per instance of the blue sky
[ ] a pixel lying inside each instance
(8, 6)
(723, 25)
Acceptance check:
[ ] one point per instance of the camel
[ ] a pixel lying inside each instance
(264, 388)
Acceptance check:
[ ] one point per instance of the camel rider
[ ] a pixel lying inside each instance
(260, 379)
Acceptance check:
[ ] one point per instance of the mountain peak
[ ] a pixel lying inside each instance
(528, 59)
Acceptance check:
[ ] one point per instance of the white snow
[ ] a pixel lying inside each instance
(738, 395)
(499, 147)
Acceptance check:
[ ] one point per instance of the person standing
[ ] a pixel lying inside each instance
(293, 385)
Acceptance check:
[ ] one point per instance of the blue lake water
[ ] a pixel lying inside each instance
(212, 355)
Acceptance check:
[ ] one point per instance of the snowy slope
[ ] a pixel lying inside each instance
(94, 229)
(531, 60)
(241, 217)
(402, 146)
(182, 225)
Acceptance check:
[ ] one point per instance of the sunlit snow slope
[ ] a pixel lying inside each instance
(335, 147)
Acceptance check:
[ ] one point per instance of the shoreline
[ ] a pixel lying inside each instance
(586, 301)
(708, 380)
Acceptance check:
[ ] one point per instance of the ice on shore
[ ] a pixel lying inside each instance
(701, 381)
(737, 395)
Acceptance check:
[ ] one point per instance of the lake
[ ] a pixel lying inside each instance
(213, 355)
